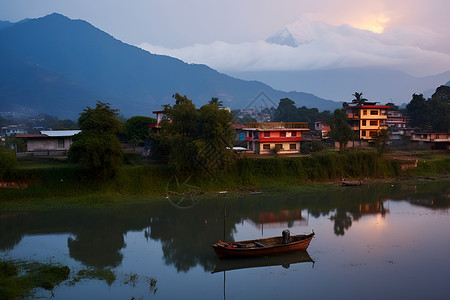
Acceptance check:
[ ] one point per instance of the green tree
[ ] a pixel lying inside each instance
(8, 163)
(419, 111)
(392, 106)
(440, 109)
(196, 139)
(340, 130)
(286, 111)
(97, 147)
(216, 101)
(136, 129)
(381, 141)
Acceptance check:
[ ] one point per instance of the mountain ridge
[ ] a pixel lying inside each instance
(66, 65)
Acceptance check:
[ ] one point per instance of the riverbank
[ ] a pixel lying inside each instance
(61, 184)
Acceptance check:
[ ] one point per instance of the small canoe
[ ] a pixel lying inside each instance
(284, 260)
(262, 247)
(351, 183)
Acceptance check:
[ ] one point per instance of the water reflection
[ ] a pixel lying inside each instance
(285, 261)
(185, 235)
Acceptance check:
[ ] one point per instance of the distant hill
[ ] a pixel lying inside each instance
(377, 84)
(4, 24)
(59, 66)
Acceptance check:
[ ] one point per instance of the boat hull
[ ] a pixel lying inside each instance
(266, 247)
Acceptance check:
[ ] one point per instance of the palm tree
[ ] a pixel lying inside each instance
(216, 101)
(359, 100)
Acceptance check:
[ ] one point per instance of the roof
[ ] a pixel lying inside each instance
(277, 125)
(367, 106)
(49, 133)
(238, 126)
(30, 135)
(60, 133)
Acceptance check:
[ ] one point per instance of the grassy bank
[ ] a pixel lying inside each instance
(62, 182)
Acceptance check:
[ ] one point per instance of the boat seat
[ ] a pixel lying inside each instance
(259, 244)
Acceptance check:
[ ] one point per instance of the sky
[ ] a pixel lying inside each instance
(410, 35)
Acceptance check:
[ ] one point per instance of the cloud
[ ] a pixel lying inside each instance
(327, 47)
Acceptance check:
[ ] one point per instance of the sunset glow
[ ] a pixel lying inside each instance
(376, 25)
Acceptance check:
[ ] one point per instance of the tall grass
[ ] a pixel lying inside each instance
(71, 181)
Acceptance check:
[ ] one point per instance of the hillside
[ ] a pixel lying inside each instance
(58, 66)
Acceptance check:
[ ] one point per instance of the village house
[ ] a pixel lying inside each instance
(282, 137)
(323, 127)
(55, 141)
(432, 140)
(367, 120)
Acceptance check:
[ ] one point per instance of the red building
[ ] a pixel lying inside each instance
(283, 137)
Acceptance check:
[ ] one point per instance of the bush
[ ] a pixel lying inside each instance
(8, 164)
(311, 147)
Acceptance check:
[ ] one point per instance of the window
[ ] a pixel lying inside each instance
(60, 143)
(363, 133)
(294, 133)
(266, 146)
(365, 112)
(267, 134)
(283, 134)
(279, 146)
(292, 146)
(363, 122)
(374, 123)
(374, 112)
(373, 134)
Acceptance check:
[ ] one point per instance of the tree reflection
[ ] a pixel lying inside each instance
(185, 235)
(342, 221)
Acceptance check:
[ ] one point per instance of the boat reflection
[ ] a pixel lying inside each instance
(284, 260)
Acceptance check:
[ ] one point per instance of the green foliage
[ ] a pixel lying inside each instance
(8, 163)
(340, 130)
(381, 141)
(95, 273)
(286, 111)
(197, 140)
(432, 114)
(97, 147)
(17, 280)
(319, 167)
(359, 100)
(419, 111)
(136, 129)
(100, 120)
(311, 147)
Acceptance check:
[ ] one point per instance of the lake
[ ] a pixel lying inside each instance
(383, 241)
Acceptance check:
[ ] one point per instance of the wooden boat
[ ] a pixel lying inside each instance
(284, 260)
(262, 247)
(351, 183)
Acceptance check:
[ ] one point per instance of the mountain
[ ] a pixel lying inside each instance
(5, 24)
(305, 31)
(377, 84)
(59, 66)
(378, 81)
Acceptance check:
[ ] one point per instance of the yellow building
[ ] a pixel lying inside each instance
(367, 120)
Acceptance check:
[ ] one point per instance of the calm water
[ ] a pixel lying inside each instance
(388, 241)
